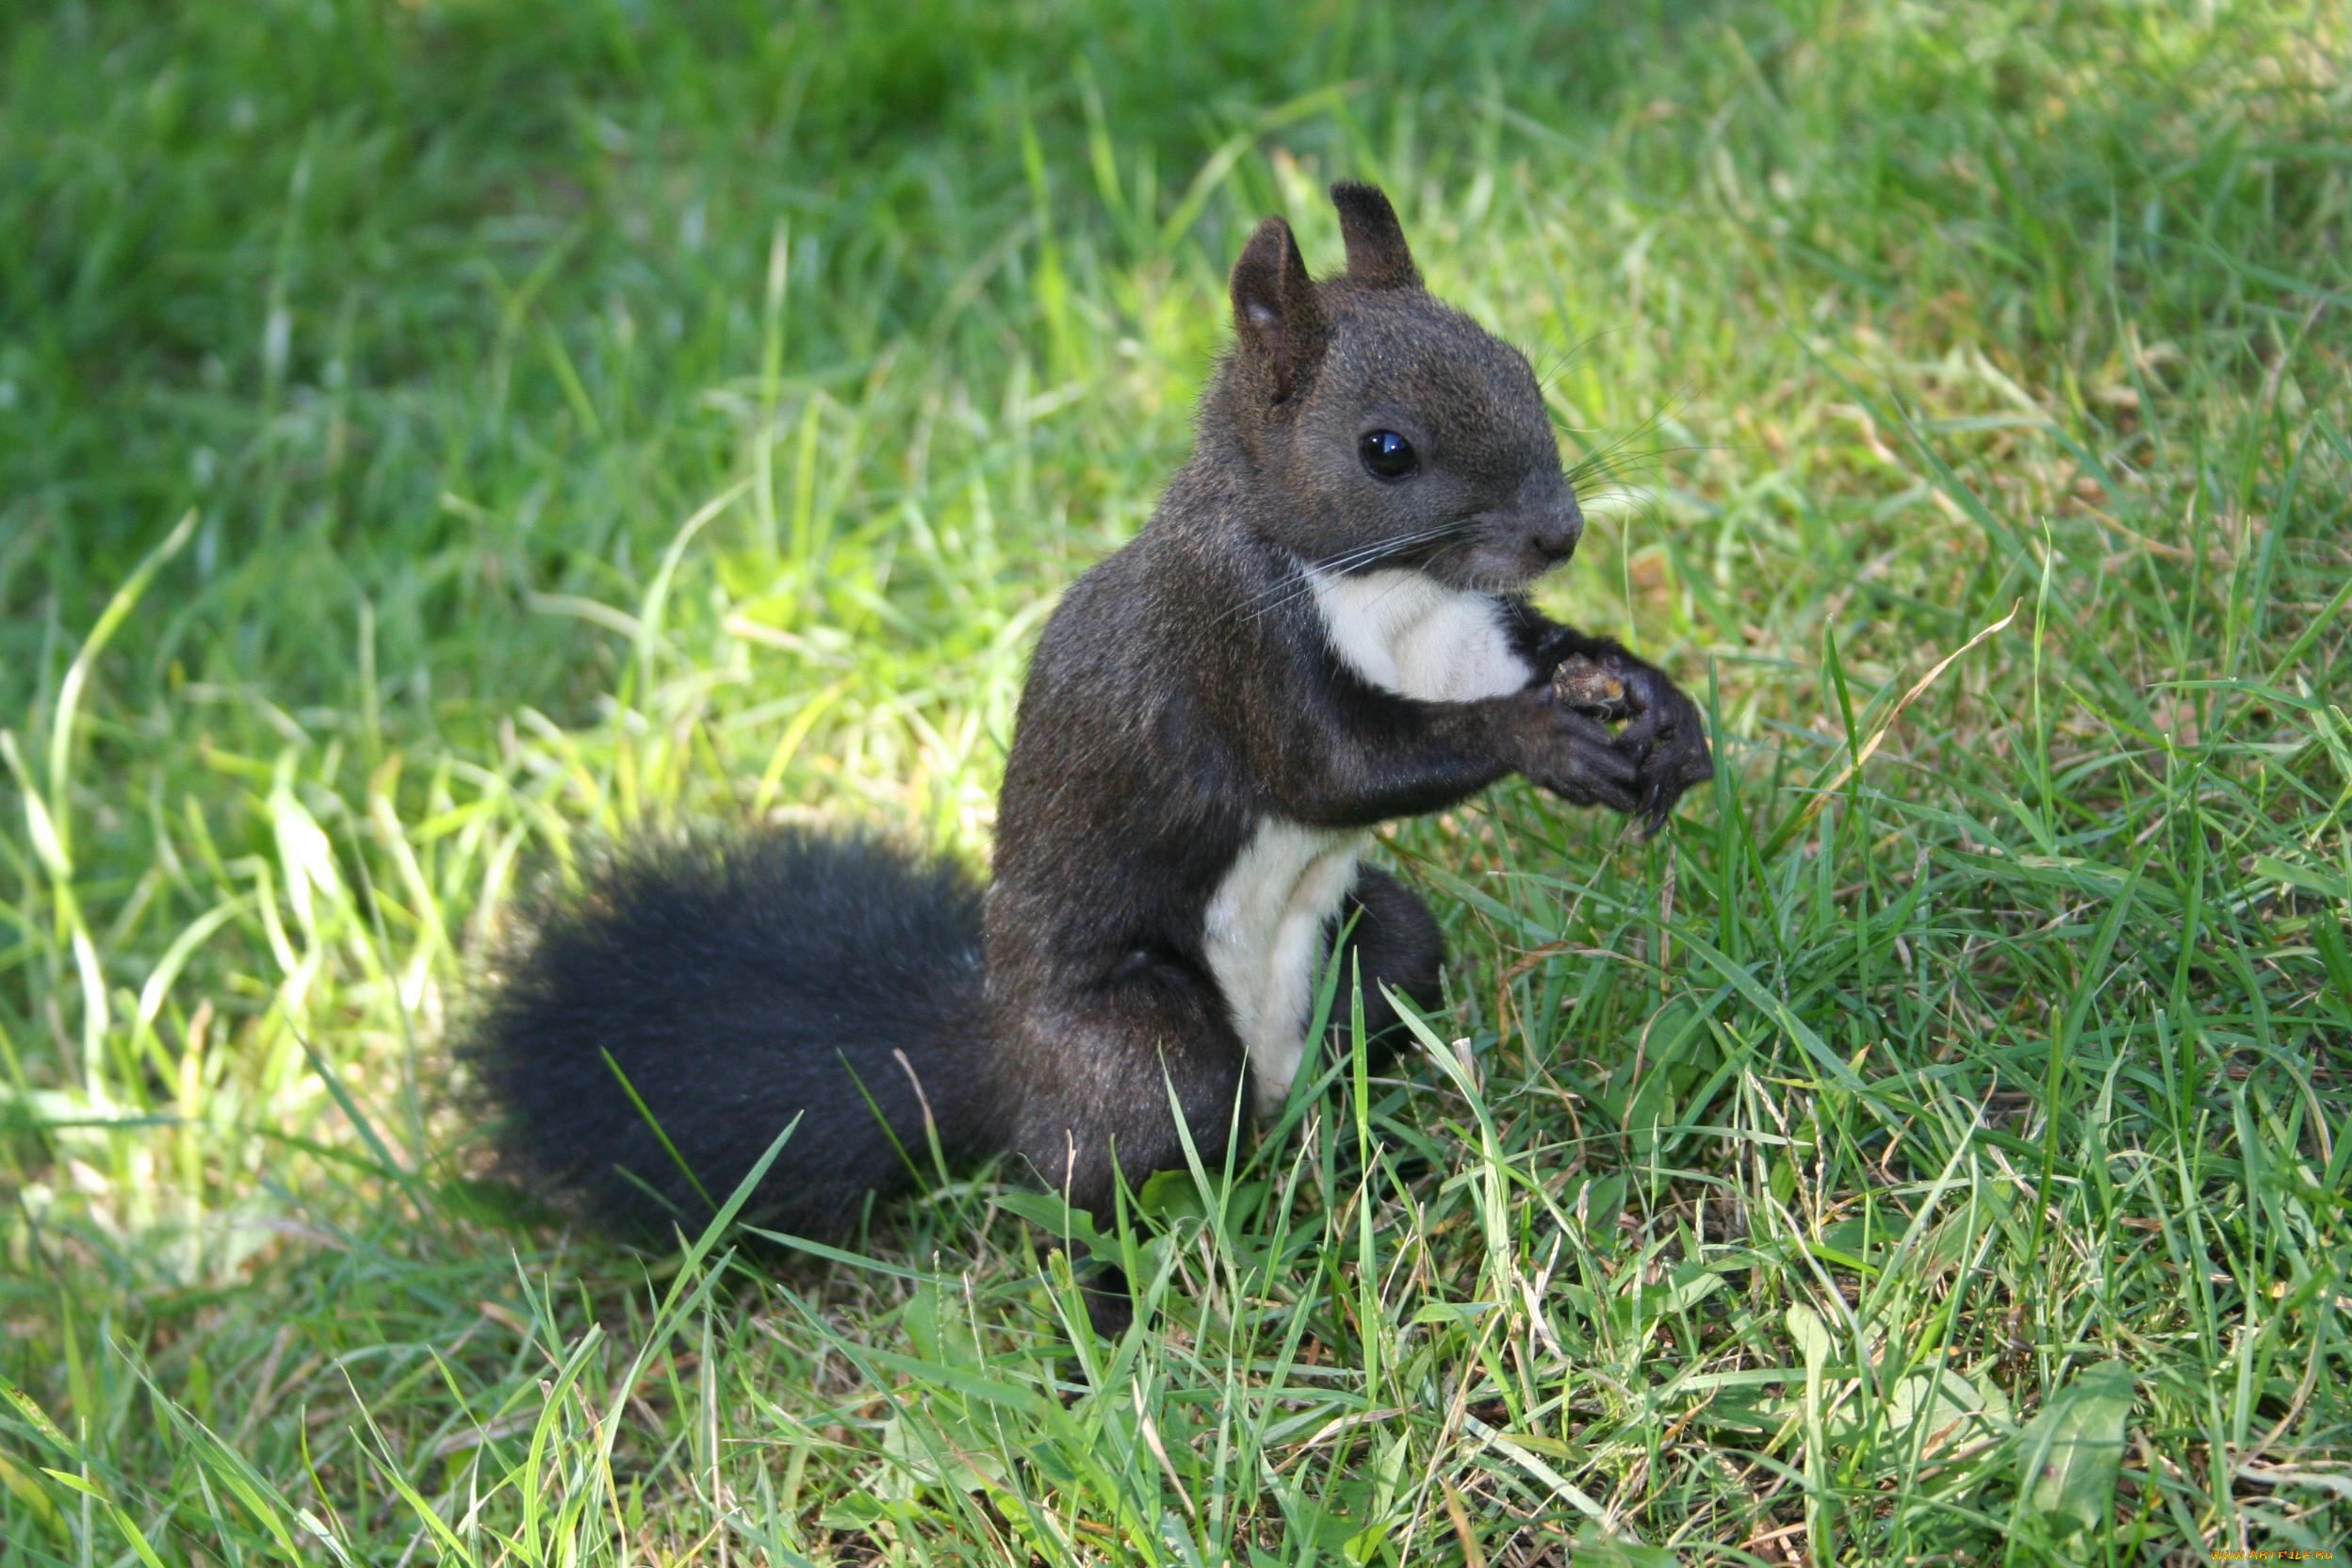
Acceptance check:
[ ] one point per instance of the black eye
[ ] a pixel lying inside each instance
(1387, 454)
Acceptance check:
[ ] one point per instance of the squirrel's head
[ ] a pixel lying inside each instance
(1386, 428)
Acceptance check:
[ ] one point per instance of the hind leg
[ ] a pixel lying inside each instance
(1393, 938)
(1106, 1062)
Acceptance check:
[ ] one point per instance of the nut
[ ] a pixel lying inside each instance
(1589, 687)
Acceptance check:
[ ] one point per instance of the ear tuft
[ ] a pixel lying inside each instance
(1275, 314)
(1377, 252)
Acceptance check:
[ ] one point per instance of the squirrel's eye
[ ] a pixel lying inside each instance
(1387, 454)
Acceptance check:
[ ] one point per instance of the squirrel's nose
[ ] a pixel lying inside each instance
(1553, 529)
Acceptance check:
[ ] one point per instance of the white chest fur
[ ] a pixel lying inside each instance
(1408, 633)
(1263, 936)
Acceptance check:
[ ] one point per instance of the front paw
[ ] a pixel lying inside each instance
(1574, 754)
(1665, 740)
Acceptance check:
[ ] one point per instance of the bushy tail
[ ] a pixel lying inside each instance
(647, 1046)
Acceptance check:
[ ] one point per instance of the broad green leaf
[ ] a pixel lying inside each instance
(2074, 1449)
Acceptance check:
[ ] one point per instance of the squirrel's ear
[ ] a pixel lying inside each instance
(1275, 314)
(1377, 252)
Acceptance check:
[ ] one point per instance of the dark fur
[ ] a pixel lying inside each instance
(1183, 690)
(735, 984)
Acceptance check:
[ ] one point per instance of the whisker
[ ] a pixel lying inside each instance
(1617, 469)
(1388, 547)
(1557, 357)
(1603, 453)
(1656, 420)
(1290, 589)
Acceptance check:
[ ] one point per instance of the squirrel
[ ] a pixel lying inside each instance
(1323, 627)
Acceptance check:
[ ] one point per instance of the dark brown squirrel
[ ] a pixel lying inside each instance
(1323, 627)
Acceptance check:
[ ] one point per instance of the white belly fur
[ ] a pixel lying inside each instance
(1264, 940)
(1406, 634)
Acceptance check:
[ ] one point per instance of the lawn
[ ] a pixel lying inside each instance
(436, 437)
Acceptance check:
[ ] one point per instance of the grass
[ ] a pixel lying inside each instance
(435, 436)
